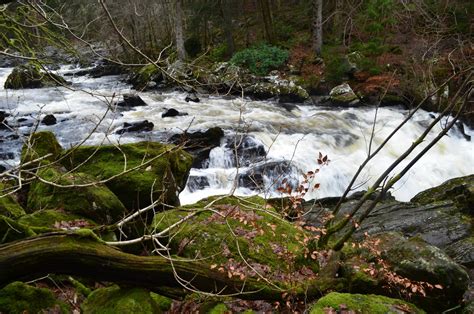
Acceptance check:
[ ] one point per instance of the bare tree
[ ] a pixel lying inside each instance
(317, 26)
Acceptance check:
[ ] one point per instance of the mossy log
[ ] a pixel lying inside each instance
(81, 254)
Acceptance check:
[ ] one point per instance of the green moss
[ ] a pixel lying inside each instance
(31, 76)
(370, 304)
(95, 202)
(114, 300)
(18, 297)
(220, 308)
(239, 225)
(163, 303)
(48, 218)
(163, 176)
(39, 145)
(11, 230)
(145, 75)
(9, 206)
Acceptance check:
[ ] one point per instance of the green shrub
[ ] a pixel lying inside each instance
(260, 59)
(218, 53)
(336, 69)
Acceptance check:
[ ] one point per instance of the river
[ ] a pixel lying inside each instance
(296, 133)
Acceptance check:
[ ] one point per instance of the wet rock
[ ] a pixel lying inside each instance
(172, 113)
(192, 97)
(3, 121)
(103, 68)
(248, 149)
(30, 76)
(49, 120)
(146, 78)
(140, 126)
(343, 95)
(196, 183)
(274, 172)
(284, 90)
(131, 100)
(199, 144)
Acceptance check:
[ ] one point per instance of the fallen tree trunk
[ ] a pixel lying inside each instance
(83, 255)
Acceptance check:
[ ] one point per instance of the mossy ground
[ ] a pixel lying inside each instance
(239, 235)
(364, 304)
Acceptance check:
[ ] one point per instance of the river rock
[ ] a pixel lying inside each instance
(343, 95)
(131, 100)
(103, 68)
(156, 171)
(3, 121)
(199, 144)
(248, 149)
(274, 171)
(192, 97)
(30, 76)
(284, 90)
(146, 78)
(40, 145)
(140, 126)
(49, 120)
(172, 113)
(196, 183)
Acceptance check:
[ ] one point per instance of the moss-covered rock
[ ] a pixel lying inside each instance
(53, 219)
(10, 230)
(459, 190)
(145, 78)
(416, 260)
(9, 206)
(31, 76)
(39, 145)
(95, 202)
(18, 297)
(240, 237)
(114, 300)
(159, 171)
(343, 95)
(359, 303)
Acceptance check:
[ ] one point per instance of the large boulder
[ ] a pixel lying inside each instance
(31, 76)
(146, 78)
(114, 299)
(283, 90)
(416, 260)
(139, 126)
(237, 237)
(94, 201)
(137, 173)
(335, 302)
(269, 174)
(131, 100)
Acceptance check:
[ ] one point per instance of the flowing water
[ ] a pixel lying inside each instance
(292, 136)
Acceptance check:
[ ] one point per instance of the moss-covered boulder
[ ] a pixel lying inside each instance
(416, 260)
(114, 300)
(94, 201)
(459, 190)
(343, 95)
(9, 206)
(242, 237)
(284, 90)
(48, 219)
(145, 78)
(11, 230)
(136, 173)
(31, 76)
(365, 304)
(18, 297)
(41, 144)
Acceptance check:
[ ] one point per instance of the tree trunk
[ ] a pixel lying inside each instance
(179, 33)
(227, 21)
(318, 26)
(267, 20)
(81, 254)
